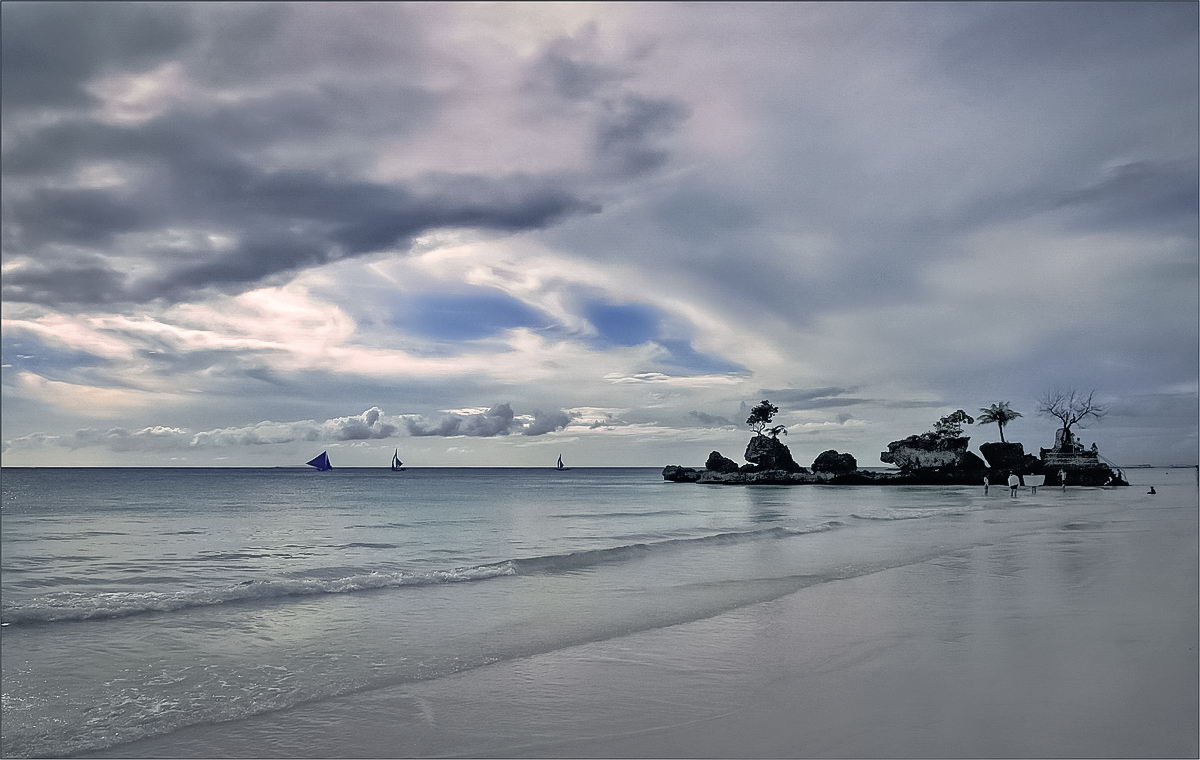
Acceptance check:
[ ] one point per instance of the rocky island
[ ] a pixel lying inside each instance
(936, 457)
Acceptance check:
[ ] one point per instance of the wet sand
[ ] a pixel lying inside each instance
(1080, 642)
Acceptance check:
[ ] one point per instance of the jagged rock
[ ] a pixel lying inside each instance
(832, 461)
(769, 453)
(971, 462)
(679, 474)
(927, 451)
(763, 477)
(718, 463)
(1003, 456)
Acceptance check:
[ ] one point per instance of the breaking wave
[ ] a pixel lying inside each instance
(75, 606)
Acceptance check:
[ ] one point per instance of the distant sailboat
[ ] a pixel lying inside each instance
(397, 465)
(559, 466)
(321, 462)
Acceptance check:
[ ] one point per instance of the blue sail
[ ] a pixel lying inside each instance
(321, 462)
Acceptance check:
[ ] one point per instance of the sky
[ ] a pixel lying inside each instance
(490, 234)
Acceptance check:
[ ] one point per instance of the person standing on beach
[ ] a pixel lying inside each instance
(1013, 482)
(1062, 478)
(985, 485)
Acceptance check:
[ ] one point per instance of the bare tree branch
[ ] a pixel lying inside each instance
(1071, 407)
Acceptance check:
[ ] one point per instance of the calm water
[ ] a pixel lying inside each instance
(136, 602)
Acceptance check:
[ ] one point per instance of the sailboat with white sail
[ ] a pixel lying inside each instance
(559, 466)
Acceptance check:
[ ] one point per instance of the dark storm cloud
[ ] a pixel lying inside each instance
(370, 425)
(116, 439)
(632, 133)
(366, 426)
(709, 420)
(280, 220)
(999, 38)
(495, 421)
(811, 398)
(499, 420)
(1139, 195)
(570, 67)
(71, 281)
(242, 172)
(50, 51)
(546, 422)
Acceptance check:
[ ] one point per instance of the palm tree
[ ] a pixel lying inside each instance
(999, 414)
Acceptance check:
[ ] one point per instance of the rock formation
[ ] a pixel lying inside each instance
(835, 463)
(680, 474)
(1010, 457)
(928, 452)
(1081, 466)
(938, 457)
(718, 463)
(769, 453)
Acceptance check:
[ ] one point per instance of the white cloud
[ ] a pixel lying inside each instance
(928, 203)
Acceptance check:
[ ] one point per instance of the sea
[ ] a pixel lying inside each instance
(141, 604)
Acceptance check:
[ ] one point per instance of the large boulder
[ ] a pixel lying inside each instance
(1003, 456)
(718, 463)
(680, 474)
(833, 462)
(928, 452)
(768, 453)
(1010, 457)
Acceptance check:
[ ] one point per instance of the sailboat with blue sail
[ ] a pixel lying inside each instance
(559, 466)
(397, 465)
(321, 462)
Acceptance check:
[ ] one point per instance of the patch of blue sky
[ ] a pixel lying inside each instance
(684, 360)
(474, 315)
(28, 354)
(635, 324)
(623, 324)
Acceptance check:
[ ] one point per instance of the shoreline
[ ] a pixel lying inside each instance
(1079, 641)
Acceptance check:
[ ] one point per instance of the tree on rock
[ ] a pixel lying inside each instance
(1000, 414)
(761, 416)
(1070, 407)
(950, 426)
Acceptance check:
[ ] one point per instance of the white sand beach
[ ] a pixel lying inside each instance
(1077, 643)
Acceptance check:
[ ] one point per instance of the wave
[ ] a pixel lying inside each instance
(608, 515)
(906, 513)
(593, 557)
(77, 607)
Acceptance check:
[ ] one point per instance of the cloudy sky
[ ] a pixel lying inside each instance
(490, 234)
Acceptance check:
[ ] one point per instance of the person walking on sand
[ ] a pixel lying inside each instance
(1062, 478)
(1013, 482)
